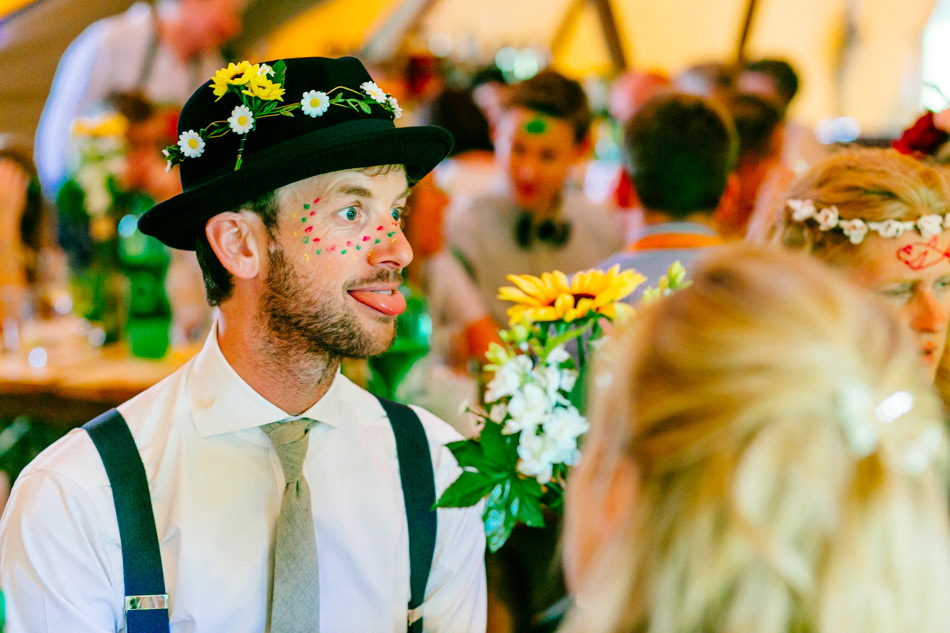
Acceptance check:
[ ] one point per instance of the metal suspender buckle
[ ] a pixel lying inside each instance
(142, 603)
(414, 616)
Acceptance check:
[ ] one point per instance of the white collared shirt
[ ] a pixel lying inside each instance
(216, 486)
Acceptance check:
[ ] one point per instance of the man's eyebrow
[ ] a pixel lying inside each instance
(348, 189)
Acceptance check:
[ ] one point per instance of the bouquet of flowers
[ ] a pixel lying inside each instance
(533, 424)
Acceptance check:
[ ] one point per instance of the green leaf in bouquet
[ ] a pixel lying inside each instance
(526, 501)
(553, 497)
(499, 516)
(468, 453)
(465, 491)
(501, 451)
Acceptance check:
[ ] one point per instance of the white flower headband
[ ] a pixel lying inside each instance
(864, 423)
(857, 229)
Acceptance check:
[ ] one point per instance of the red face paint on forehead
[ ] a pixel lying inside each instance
(921, 255)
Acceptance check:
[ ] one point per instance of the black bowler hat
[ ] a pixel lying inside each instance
(346, 122)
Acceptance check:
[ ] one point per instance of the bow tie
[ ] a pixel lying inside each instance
(554, 233)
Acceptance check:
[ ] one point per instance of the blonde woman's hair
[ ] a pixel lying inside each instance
(753, 510)
(871, 184)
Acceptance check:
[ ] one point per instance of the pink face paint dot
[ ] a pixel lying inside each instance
(349, 243)
(379, 228)
(333, 248)
(308, 229)
(316, 200)
(366, 238)
(313, 213)
(316, 239)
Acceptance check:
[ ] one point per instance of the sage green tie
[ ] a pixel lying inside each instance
(295, 605)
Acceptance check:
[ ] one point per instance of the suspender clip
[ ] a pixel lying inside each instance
(141, 603)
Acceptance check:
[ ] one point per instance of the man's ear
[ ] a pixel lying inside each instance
(240, 242)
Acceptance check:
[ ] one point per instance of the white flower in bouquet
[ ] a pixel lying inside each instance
(565, 425)
(508, 379)
(538, 454)
(527, 409)
(498, 412)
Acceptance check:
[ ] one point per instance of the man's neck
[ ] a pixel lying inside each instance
(654, 216)
(550, 212)
(291, 380)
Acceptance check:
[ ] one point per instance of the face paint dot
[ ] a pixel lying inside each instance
(379, 228)
(306, 240)
(306, 257)
(333, 248)
(306, 206)
(316, 239)
(536, 126)
(349, 243)
(366, 238)
(343, 252)
(308, 229)
(376, 242)
(316, 200)
(318, 251)
(304, 219)
(357, 247)
(313, 213)
(390, 234)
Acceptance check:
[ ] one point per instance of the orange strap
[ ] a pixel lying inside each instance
(673, 240)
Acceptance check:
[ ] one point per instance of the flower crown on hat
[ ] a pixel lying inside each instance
(857, 229)
(260, 87)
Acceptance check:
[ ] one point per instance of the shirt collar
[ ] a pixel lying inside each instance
(221, 402)
(693, 228)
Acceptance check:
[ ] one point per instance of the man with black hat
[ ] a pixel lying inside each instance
(257, 488)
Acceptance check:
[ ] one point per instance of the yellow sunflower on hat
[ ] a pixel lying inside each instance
(552, 297)
(234, 75)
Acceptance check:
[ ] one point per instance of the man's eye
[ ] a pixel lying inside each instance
(349, 213)
(897, 292)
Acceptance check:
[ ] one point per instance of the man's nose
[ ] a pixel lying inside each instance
(393, 250)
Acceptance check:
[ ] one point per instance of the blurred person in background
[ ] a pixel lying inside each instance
(165, 51)
(878, 217)
(680, 151)
(537, 222)
(776, 81)
(759, 130)
(709, 79)
(491, 92)
(151, 127)
(28, 258)
(764, 456)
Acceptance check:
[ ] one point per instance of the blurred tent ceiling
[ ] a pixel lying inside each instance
(859, 58)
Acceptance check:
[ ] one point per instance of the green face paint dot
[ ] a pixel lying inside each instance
(318, 251)
(376, 242)
(391, 234)
(343, 252)
(306, 206)
(303, 219)
(306, 240)
(357, 247)
(536, 126)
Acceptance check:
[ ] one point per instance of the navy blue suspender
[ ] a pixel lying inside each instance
(146, 602)
(418, 491)
(146, 607)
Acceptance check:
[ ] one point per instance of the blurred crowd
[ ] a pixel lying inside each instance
(738, 476)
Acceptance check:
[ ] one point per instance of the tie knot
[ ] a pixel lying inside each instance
(290, 441)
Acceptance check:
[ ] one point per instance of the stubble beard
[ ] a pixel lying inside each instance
(300, 323)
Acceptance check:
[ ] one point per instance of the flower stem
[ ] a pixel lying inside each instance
(240, 154)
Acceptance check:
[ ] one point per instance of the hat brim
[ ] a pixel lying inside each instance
(352, 145)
